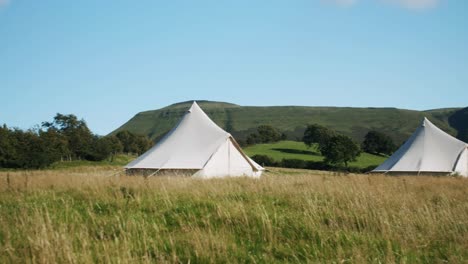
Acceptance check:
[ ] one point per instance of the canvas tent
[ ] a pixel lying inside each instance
(429, 150)
(197, 145)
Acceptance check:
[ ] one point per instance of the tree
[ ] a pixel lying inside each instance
(459, 121)
(132, 143)
(252, 139)
(143, 144)
(7, 147)
(77, 133)
(378, 143)
(26, 149)
(265, 134)
(100, 150)
(65, 136)
(128, 141)
(340, 149)
(115, 145)
(317, 134)
(265, 160)
(268, 134)
(55, 144)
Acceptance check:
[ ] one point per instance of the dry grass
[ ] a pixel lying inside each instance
(85, 215)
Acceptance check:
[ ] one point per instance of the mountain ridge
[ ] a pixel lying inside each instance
(292, 120)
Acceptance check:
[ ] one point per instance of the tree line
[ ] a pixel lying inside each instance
(338, 149)
(64, 138)
(67, 138)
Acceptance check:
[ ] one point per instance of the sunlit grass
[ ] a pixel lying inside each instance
(88, 215)
(298, 150)
(117, 160)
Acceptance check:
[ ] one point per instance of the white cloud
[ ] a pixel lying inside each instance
(4, 3)
(415, 4)
(408, 4)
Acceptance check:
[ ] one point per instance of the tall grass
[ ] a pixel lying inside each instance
(88, 215)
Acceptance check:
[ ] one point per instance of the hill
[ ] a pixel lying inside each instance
(242, 120)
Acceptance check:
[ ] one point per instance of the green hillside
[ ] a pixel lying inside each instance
(242, 120)
(298, 150)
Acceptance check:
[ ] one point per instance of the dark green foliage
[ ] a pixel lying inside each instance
(294, 163)
(6, 148)
(378, 143)
(99, 150)
(79, 137)
(265, 160)
(65, 138)
(25, 149)
(340, 149)
(337, 149)
(29, 149)
(57, 144)
(459, 120)
(252, 139)
(264, 134)
(317, 134)
(132, 143)
(268, 134)
(268, 161)
(297, 150)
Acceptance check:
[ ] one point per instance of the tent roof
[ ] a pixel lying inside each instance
(189, 145)
(429, 149)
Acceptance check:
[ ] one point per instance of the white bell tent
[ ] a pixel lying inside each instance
(197, 144)
(430, 151)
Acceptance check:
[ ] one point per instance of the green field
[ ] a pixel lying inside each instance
(277, 151)
(240, 121)
(298, 150)
(118, 160)
(89, 215)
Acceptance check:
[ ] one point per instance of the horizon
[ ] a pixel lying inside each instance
(107, 61)
(226, 102)
(240, 105)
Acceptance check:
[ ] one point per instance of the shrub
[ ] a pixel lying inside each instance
(294, 163)
(265, 160)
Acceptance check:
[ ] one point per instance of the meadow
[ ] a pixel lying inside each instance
(90, 214)
(298, 150)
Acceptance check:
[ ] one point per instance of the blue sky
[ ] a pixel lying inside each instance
(105, 61)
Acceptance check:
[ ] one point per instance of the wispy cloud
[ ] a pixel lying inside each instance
(4, 3)
(408, 4)
(415, 4)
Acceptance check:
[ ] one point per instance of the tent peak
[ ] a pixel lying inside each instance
(426, 122)
(429, 149)
(198, 143)
(194, 106)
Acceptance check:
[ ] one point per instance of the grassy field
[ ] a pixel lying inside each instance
(89, 215)
(298, 150)
(118, 160)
